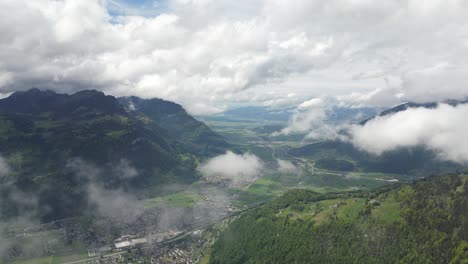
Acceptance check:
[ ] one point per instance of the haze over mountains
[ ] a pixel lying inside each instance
(139, 144)
(87, 160)
(220, 131)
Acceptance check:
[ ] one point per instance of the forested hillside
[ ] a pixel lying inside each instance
(49, 141)
(425, 222)
(187, 133)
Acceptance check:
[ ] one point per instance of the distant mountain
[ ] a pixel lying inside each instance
(347, 114)
(409, 105)
(35, 101)
(256, 113)
(41, 132)
(338, 155)
(261, 113)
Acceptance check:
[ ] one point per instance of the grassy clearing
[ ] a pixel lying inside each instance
(276, 184)
(177, 200)
(261, 190)
(54, 259)
(388, 211)
(41, 260)
(347, 210)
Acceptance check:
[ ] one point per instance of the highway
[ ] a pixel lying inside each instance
(305, 164)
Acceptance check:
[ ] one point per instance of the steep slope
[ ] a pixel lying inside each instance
(43, 134)
(190, 134)
(421, 223)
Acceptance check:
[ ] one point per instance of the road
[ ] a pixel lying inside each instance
(309, 167)
(178, 237)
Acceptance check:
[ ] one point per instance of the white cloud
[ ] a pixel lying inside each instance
(285, 166)
(207, 54)
(4, 168)
(442, 129)
(308, 115)
(236, 168)
(117, 205)
(124, 170)
(310, 118)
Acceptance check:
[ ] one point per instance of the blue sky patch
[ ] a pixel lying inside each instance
(147, 8)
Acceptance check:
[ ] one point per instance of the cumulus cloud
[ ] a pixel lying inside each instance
(208, 54)
(308, 115)
(235, 168)
(286, 166)
(310, 118)
(442, 129)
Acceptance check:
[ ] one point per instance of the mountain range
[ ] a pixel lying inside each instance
(344, 156)
(135, 144)
(409, 105)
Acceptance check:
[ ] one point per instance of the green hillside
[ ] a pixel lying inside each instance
(421, 223)
(42, 132)
(188, 133)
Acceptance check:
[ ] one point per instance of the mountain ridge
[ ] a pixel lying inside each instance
(42, 131)
(410, 105)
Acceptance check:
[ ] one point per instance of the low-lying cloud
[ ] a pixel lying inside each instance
(25, 204)
(115, 204)
(233, 167)
(4, 167)
(307, 116)
(442, 129)
(287, 167)
(310, 118)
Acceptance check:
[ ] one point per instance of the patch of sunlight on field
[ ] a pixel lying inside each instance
(176, 200)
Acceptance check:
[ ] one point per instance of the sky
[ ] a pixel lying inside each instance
(209, 55)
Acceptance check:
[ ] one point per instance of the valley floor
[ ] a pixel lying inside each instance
(209, 202)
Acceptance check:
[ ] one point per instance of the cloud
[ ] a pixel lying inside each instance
(124, 170)
(208, 54)
(442, 129)
(111, 203)
(236, 168)
(285, 166)
(310, 118)
(19, 209)
(308, 115)
(4, 168)
(83, 169)
(116, 205)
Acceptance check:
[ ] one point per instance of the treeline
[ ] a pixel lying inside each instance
(432, 227)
